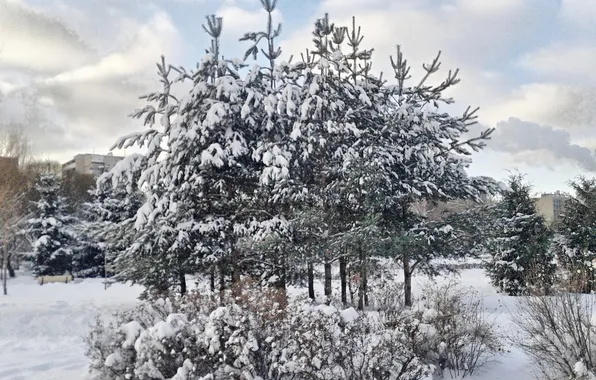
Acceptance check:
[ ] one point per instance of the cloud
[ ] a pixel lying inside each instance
(563, 61)
(538, 144)
(458, 28)
(21, 31)
(238, 20)
(85, 106)
(562, 106)
(151, 40)
(580, 13)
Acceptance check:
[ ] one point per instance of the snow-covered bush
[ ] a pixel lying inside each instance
(372, 350)
(453, 332)
(237, 341)
(559, 334)
(387, 297)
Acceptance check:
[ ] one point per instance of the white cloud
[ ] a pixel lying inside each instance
(563, 61)
(471, 34)
(537, 144)
(564, 107)
(239, 20)
(151, 40)
(86, 105)
(21, 31)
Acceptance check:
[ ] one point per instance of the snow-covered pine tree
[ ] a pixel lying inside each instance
(88, 255)
(50, 229)
(105, 225)
(575, 242)
(417, 154)
(197, 171)
(318, 108)
(521, 259)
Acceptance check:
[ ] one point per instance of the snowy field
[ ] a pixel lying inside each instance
(41, 327)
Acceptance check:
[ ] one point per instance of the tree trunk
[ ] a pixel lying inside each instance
(222, 282)
(281, 282)
(5, 268)
(212, 279)
(365, 284)
(362, 286)
(407, 279)
(343, 274)
(11, 271)
(182, 279)
(328, 279)
(350, 288)
(236, 287)
(311, 280)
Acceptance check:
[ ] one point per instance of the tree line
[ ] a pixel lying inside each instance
(272, 171)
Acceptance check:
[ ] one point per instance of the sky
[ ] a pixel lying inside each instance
(71, 71)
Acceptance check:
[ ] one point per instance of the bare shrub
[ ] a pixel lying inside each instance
(387, 295)
(558, 334)
(371, 350)
(455, 332)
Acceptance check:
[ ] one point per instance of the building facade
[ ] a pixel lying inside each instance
(94, 164)
(551, 206)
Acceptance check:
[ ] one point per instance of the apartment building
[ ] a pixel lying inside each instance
(551, 206)
(94, 164)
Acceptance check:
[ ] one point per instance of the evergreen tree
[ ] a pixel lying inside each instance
(50, 229)
(322, 103)
(111, 216)
(521, 259)
(575, 243)
(196, 172)
(360, 150)
(415, 153)
(88, 255)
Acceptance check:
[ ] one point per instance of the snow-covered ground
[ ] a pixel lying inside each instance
(42, 327)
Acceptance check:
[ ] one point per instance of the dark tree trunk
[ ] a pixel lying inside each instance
(407, 279)
(236, 287)
(222, 281)
(311, 281)
(182, 279)
(343, 277)
(365, 284)
(362, 286)
(280, 284)
(327, 265)
(282, 280)
(11, 271)
(350, 289)
(212, 279)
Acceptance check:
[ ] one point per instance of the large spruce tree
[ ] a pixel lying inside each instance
(50, 229)
(521, 259)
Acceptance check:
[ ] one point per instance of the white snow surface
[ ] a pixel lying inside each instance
(42, 327)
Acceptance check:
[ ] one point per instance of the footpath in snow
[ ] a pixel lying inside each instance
(42, 327)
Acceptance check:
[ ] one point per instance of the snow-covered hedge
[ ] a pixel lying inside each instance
(177, 341)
